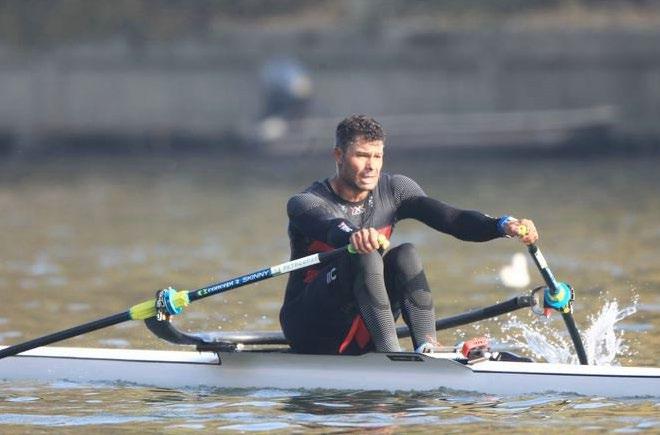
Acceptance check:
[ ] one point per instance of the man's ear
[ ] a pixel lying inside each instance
(338, 154)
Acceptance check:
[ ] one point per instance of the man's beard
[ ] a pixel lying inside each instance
(353, 184)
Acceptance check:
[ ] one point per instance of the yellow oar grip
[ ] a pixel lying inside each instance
(147, 309)
(383, 242)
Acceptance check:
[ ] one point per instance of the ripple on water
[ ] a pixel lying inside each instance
(22, 399)
(259, 427)
(204, 409)
(333, 405)
(70, 420)
(43, 265)
(193, 426)
(78, 307)
(69, 385)
(528, 403)
(9, 334)
(430, 408)
(634, 327)
(651, 308)
(593, 405)
(274, 394)
(115, 342)
(187, 407)
(256, 404)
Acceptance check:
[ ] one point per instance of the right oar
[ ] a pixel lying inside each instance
(559, 296)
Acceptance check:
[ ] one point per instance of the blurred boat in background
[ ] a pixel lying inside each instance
(537, 129)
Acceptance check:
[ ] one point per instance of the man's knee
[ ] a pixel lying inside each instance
(371, 263)
(369, 284)
(406, 259)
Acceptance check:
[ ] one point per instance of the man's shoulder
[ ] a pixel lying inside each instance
(390, 179)
(317, 188)
(400, 186)
(312, 196)
(393, 176)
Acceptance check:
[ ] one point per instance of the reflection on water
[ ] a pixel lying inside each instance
(261, 410)
(84, 239)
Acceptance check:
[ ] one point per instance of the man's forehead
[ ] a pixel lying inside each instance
(368, 145)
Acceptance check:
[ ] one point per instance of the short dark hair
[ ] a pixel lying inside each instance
(355, 127)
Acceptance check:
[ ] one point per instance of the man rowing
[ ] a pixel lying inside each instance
(350, 305)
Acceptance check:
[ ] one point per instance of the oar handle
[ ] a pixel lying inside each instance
(567, 315)
(542, 265)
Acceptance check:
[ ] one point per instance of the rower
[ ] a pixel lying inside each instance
(350, 304)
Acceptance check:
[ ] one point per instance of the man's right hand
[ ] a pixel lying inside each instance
(367, 240)
(524, 229)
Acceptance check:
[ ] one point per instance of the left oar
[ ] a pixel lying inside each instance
(559, 296)
(173, 301)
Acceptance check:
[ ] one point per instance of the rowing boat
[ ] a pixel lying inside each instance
(285, 370)
(222, 360)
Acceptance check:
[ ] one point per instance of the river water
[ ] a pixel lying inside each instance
(84, 238)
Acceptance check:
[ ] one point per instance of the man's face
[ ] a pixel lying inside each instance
(359, 167)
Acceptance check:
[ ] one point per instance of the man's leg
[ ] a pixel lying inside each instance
(317, 320)
(373, 300)
(410, 293)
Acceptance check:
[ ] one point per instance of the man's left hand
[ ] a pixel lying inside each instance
(524, 229)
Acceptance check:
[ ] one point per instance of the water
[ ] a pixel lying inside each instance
(71, 408)
(603, 344)
(82, 239)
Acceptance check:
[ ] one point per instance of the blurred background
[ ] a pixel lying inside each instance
(153, 143)
(276, 75)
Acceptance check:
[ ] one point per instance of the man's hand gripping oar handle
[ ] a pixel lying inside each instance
(171, 301)
(559, 296)
(383, 243)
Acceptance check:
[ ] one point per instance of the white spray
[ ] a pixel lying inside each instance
(602, 343)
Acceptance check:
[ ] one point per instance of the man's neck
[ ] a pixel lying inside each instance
(346, 191)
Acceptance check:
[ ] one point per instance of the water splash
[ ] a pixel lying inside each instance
(602, 343)
(540, 339)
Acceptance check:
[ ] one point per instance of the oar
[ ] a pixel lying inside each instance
(476, 315)
(176, 300)
(168, 331)
(558, 293)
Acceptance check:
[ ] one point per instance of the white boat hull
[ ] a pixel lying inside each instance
(263, 369)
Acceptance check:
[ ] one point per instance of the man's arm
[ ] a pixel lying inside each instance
(466, 225)
(469, 225)
(311, 216)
